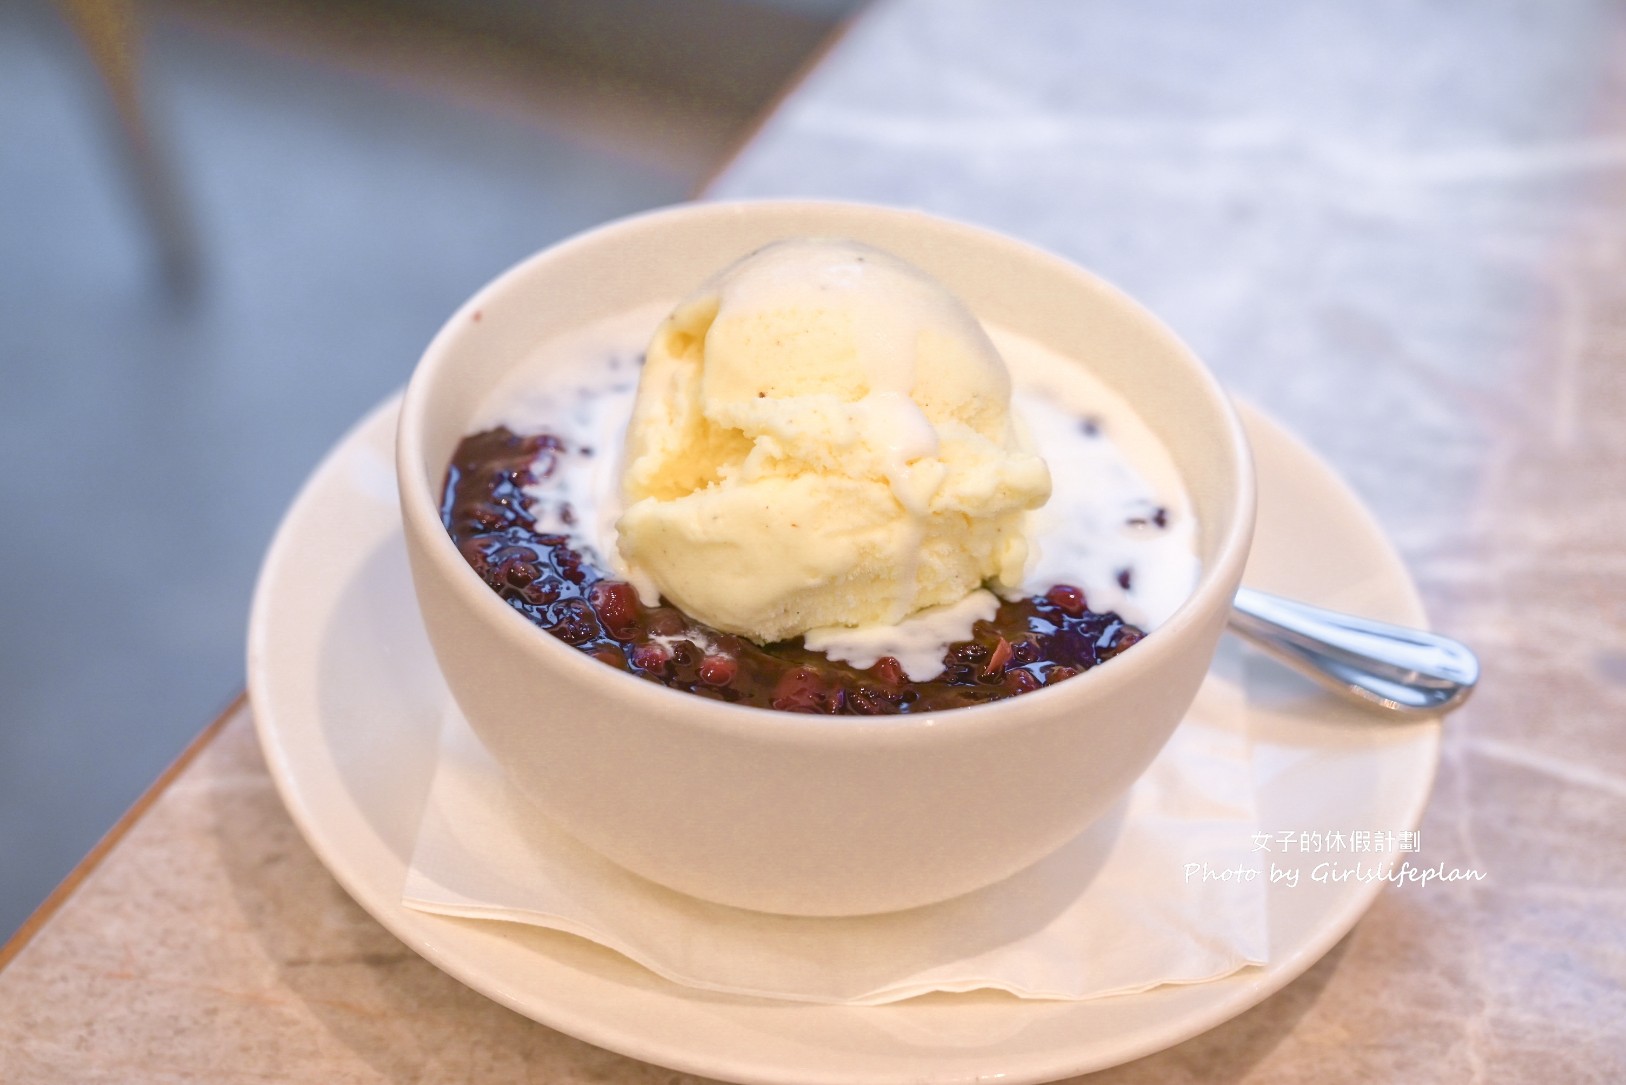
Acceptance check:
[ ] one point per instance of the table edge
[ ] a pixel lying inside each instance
(748, 135)
(82, 870)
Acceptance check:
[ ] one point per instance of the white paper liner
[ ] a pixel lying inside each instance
(1116, 911)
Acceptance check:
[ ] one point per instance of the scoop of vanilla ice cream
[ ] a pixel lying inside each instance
(822, 437)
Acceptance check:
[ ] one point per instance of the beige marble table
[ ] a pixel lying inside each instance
(1401, 229)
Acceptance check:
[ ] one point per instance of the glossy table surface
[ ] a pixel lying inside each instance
(1398, 228)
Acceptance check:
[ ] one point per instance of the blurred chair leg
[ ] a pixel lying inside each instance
(109, 32)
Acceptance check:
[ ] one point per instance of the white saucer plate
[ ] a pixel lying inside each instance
(345, 695)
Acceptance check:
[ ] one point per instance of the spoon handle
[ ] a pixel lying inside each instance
(1406, 672)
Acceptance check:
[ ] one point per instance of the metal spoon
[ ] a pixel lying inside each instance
(1405, 672)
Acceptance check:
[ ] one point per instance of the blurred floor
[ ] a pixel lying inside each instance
(352, 176)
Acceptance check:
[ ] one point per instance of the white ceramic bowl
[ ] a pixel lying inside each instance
(802, 814)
